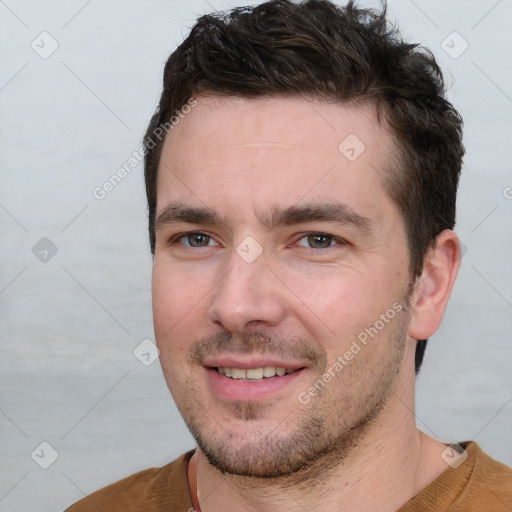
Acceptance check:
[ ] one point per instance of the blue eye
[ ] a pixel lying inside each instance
(195, 239)
(318, 241)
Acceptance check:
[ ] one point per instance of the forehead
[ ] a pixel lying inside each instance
(274, 151)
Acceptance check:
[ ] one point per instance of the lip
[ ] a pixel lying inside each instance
(246, 363)
(235, 390)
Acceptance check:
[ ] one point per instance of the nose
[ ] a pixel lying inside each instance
(247, 297)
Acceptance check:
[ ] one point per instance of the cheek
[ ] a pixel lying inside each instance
(335, 305)
(178, 298)
(176, 306)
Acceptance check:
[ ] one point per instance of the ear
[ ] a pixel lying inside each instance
(434, 286)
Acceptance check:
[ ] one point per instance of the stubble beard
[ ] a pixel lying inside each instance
(312, 440)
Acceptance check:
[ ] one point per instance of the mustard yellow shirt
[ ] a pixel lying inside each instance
(479, 484)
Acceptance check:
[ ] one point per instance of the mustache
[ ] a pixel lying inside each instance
(295, 347)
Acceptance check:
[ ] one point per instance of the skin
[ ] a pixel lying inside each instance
(316, 285)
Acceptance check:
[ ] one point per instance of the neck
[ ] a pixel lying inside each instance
(390, 464)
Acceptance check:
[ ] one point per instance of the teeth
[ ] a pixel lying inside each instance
(237, 373)
(253, 373)
(269, 371)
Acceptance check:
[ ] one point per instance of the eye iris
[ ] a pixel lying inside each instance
(319, 241)
(198, 240)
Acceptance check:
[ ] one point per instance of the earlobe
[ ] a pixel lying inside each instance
(433, 288)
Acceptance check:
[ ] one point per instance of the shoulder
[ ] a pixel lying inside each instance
(477, 484)
(490, 483)
(151, 490)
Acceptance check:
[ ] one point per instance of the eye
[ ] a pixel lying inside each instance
(319, 241)
(194, 239)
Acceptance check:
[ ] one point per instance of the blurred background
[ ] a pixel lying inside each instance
(82, 399)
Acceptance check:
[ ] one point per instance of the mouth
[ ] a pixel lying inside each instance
(248, 381)
(254, 374)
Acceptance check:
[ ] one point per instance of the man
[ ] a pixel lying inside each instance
(301, 207)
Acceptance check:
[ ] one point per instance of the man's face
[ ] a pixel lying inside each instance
(278, 248)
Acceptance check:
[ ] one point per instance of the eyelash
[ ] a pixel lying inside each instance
(334, 239)
(175, 239)
(337, 240)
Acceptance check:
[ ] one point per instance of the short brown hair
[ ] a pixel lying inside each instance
(341, 54)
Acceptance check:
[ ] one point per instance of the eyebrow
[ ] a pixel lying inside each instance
(337, 212)
(177, 212)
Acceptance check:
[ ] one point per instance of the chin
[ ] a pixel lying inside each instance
(298, 449)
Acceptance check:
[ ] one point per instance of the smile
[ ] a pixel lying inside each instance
(253, 374)
(252, 382)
